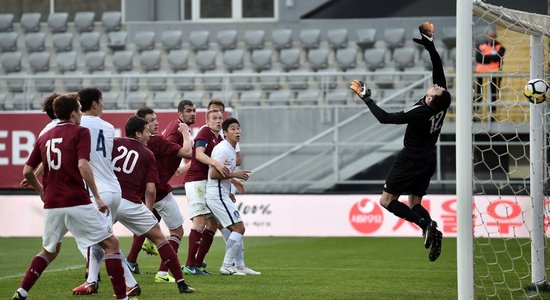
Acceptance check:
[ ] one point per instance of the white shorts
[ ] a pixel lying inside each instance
(196, 198)
(169, 211)
(136, 217)
(113, 202)
(223, 209)
(85, 222)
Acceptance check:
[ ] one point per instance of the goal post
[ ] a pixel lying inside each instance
(512, 262)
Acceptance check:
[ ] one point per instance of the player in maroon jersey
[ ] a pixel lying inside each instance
(204, 224)
(65, 152)
(135, 168)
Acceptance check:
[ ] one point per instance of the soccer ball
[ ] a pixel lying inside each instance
(536, 91)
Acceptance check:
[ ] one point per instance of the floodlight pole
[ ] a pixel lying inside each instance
(465, 249)
(536, 148)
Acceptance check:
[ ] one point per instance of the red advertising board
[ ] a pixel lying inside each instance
(19, 131)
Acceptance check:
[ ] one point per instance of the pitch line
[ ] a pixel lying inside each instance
(69, 268)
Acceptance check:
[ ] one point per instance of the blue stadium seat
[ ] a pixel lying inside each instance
(111, 21)
(186, 82)
(6, 22)
(39, 61)
(22, 101)
(310, 38)
(198, 40)
(136, 100)
(158, 82)
(327, 80)
(241, 82)
(30, 22)
(57, 22)
(195, 96)
(225, 95)
(346, 58)
(269, 82)
(95, 61)
(297, 82)
(337, 38)
(282, 97)
(89, 41)
(337, 97)
(308, 97)
(8, 41)
(254, 39)
(165, 99)
(72, 81)
(206, 60)
(44, 81)
(366, 38)
(117, 40)
(144, 40)
(123, 61)
(261, 59)
(62, 42)
(227, 39)
(171, 40)
(110, 100)
(290, 59)
(177, 59)
(404, 57)
(250, 98)
(103, 83)
(375, 58)
(233, 59)
(318, 59)
(84, 21)
(150, 60)
(66, 61)
(394, 37)
(212, 83)
(35, 41)
(11, 62)
(281, 39)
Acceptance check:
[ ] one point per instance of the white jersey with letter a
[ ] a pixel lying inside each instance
(225, 153)
(103, 135)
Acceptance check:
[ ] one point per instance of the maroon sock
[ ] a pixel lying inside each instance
(169, 259)
(207, 238)
(175, 242)
(195, 238)
(136, 247)
(113, 264)
(38, 265)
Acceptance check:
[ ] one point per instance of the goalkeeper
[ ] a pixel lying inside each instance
(415, 164)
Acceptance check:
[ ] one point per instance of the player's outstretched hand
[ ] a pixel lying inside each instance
(427, 30)
(360, 89)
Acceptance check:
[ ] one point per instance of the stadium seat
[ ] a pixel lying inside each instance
(8, 41)
(35, 41)
(136, 100)
(337, 97)
(123, 61)
(89, 41)
(325, 79)
(241, 82)
(103, 82)
(198, 40)
(212, 82)
(6, 22)
(269, 82)
(254, 39)
(72, 80)
(22, 101)
(409, 77)
(290, 59)
(261, 59)
(283, 97)
(95, 61)
(448, 37)
(111, 21)
(177, 59)
(308, 97)
(171, 40)
(186, 82)
(44, 81)
(366, 38)
(11, 62)
(225, 95)
(337, 38)
(117, 40)
(144, 40)
(281, 39)
(346, 58)
(404, 57)
(297, 82)
(150, 60)
(62, 42)
(318, 59)
(66, 61)
(375, 58)
(39, 61)
(30, 22)
(130, 80)
(84, 21)
(57, 22)
(16, 81)
(110, 100)
(233, 59)
(165, 99)
(227, 39)
(250, 98)
(206, 60)
(158, 81)
(310, 38)
(394, 38)
(3, 97)
(195, 96)
(384, 81)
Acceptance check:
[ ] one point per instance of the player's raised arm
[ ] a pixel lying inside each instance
(427, 32)
(380, 114)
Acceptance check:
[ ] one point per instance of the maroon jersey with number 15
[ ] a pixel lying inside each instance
(59, 150)
(134, 166)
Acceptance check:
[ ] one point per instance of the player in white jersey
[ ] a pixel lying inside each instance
(102, 135)
(221, 201)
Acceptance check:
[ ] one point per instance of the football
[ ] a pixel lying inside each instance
(536, 91)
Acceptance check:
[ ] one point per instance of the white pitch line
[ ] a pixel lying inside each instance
(69, 268)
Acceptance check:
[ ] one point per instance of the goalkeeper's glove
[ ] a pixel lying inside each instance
(360, 89)
(427, 34)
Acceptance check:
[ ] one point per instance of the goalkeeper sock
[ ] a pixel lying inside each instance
(404, 212)
(422, 212)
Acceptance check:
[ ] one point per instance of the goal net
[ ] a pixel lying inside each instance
(511, 217)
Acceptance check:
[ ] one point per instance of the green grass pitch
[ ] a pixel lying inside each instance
(292, 268)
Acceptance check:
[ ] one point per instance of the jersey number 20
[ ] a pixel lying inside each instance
(130, 160)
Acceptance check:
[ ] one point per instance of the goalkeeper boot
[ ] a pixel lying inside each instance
(150, 248)
(87, 288)
(184, 288)
(428, 234)
(18, 296)
(435, 249)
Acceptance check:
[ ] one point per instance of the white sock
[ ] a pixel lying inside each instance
(162, 273)
(23, 292)
(130, 280)
(94, 265)
(225, 233)
(239, 256)
(232, 247)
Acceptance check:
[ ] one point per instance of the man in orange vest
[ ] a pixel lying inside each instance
(489, 54)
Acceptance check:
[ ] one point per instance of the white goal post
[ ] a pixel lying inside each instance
(537, 26)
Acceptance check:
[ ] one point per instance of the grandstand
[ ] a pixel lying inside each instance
(283, 66)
